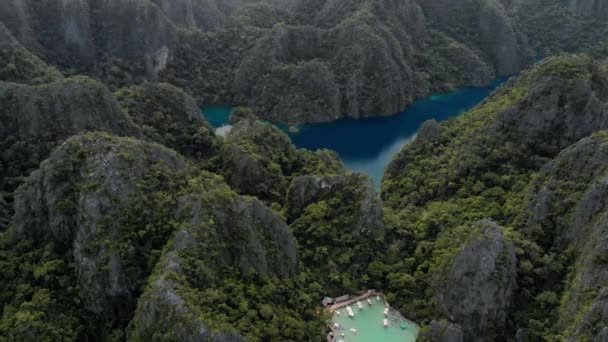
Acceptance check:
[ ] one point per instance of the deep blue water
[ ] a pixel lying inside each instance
(368, 145)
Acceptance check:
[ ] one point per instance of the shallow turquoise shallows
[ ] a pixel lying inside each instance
(369, 326)
(217, 116)
(368, 145)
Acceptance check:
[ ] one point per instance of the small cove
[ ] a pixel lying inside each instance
(368, 145)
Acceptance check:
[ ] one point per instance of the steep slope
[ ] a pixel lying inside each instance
(114, 233)
(373, 58)
(483, 24)
(94, 218)
(567, 210)
(123, 40)
(487, 164)
(223, 233)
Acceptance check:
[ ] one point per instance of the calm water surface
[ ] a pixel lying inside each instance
(368, 145)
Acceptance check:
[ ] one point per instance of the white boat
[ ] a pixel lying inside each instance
(360, 305)
(354, 331)
(369, 302)
(385, 311)
(385, 323)
(338, 312)
(350, 312)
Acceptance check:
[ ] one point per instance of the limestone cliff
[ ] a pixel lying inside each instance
(123, 211)
(91, 202)
(256, 241)
(291, 61)
(568, 206)
(478, 288)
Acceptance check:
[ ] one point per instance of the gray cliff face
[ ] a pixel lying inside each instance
(480, 284)
(129, 214)
(161, 309)
(259, 240)
(558, 112)
(579, 172)
(77, 199)
(498, 36)
(85, 32)
(252, 237)
(358, 68)
(15, 14)
(507, 45)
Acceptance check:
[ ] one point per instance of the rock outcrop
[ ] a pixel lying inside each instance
(497, 33)
(93, 197)
(306, 190)
(88, 34)
(480, 284)
(562, 107)
(252, 239)
(4, 212)
(518, 159)
(256, 159)
(569, 26)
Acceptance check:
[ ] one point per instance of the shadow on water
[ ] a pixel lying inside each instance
(368, 145)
